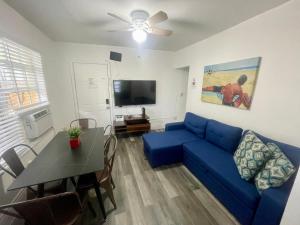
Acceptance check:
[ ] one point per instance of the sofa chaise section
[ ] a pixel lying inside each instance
(166, 147)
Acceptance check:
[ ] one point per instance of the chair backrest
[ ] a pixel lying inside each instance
(108, 130)
(108, 146)
(84, 123)
(43, 210)
(109, 159)
(13, 161)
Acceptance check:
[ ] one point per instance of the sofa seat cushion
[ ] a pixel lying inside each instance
(221, 165)
(165, 148)
(158, 140)
(195, 124)
(224, 136)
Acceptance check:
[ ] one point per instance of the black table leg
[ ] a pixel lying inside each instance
(91, 208)
(99, 197)
(41, 190)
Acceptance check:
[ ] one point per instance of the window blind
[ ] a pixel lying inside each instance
(22, 86)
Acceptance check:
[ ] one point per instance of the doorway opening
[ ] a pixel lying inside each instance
(183, 74)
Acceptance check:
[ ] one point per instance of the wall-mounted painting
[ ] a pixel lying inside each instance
(231, 84)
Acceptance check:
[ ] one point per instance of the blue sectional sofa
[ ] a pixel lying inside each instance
(206, 148)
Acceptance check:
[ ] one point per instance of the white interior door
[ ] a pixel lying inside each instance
(92, 92)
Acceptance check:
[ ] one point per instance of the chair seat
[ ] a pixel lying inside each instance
(54, 187)
(159, 140)
(221, 165)
(86, 181)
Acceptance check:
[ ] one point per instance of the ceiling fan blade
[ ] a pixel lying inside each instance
(157, 18)
(122, 30)
(119, 18)
(160, 32)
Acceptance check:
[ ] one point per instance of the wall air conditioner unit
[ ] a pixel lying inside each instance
(37, 123)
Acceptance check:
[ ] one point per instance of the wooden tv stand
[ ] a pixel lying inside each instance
(132, 124)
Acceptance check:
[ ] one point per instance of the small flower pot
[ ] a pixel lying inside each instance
(74, 143)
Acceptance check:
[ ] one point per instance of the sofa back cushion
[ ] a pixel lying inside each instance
(224, 136)
(195, 124)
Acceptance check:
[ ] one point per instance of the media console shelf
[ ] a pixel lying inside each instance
(132, 124)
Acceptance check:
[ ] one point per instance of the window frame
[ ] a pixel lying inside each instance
(30, 73)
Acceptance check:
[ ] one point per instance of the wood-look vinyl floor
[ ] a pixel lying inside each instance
(168, 195)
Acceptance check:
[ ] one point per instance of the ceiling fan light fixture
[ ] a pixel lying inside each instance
(139, 36)
(141, 24)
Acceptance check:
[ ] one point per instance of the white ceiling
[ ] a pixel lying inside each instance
(86, 21)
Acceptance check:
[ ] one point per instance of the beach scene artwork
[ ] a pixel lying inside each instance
(231, 84)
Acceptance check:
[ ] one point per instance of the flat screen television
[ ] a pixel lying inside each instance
(134, 92)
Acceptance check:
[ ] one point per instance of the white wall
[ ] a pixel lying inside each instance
(275, 36)
(16, 28)
(136, 64)
(275, 110)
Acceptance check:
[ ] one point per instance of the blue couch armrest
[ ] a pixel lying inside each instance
(272, 205)
(174, 126)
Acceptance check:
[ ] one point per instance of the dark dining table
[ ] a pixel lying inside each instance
(57, 161)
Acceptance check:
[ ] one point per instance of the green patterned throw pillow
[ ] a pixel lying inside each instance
(276, 171)
(251, 155)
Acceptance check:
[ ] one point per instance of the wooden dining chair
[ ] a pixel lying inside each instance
(84, 123)
(16, 167)
(104, 177)
(61, 209)
(107, 148)
(12, 159)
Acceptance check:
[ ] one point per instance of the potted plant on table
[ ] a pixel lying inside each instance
(74, 133)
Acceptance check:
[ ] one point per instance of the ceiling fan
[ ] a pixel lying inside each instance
(142, 24)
